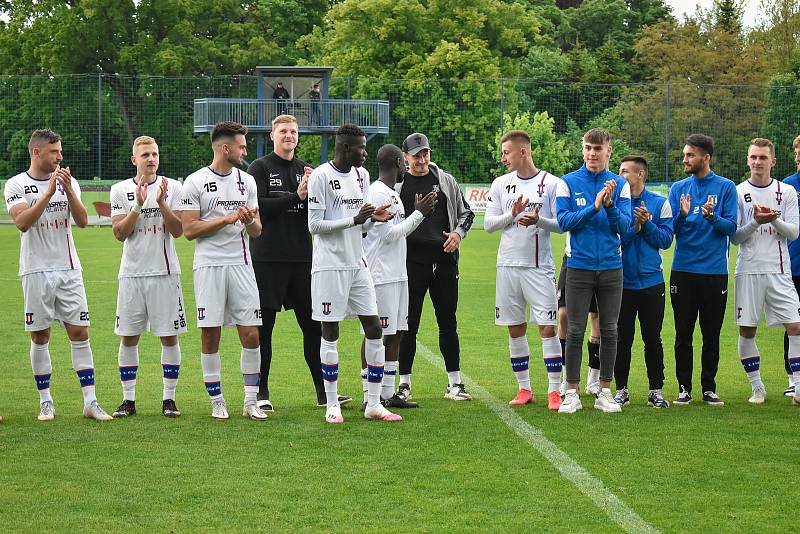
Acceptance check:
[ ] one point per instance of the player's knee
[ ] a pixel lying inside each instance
(547, 331)
(517, 330)
(372, 327)
(77, 333)
(330, 331)
(41, 337)
(793, 329)
(167, 341)
(249, 337)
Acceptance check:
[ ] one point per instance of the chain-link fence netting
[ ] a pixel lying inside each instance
(99, 116)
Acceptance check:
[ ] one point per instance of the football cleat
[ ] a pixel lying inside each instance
(554, 400)
(219, 409)
(524, 396)
(404, 392)
(789, 392)
(656, 399)
(333, 415)
(605, 402)
(126, 409)
(169, 409)
(379, 413)
(712, 399)
(571, 402)
(251, 410)
(265, 405)
(759, 395)
(684, 398)
(94, 411)
(396, 401)
(457, 392)
(622, 397)
(47, 411)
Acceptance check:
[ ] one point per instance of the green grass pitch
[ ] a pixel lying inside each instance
(447, 466)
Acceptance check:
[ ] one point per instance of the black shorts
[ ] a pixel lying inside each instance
(283, 285)
(561, 291)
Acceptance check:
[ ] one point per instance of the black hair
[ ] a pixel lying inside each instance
(701, 141)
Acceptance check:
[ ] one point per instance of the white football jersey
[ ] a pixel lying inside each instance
(48, 243)
(386, 257)
(765, 250)
(214, 196)
(150, 249)
(522, 246)
(340, 195)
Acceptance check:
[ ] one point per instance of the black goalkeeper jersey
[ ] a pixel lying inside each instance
(284, 216)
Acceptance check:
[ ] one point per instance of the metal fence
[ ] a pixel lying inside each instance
(99, 115)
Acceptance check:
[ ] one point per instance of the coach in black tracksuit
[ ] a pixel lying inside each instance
(282, 254)
(432, 261)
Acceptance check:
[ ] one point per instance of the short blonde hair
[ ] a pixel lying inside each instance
(764, 143)
(143, 140)
(284, 118)
(796, 142)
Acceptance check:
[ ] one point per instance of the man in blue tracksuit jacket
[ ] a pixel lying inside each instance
(594, 206)
(643, 282)
(794, 254)
(705, 207)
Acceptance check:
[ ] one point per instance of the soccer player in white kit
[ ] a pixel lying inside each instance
(341, 284)
(149, 296)
(219, 206)
(522, 204)
(44, 201)
(767, 218)
(385, 250)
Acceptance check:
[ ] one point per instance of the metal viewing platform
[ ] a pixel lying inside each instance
(313, 116)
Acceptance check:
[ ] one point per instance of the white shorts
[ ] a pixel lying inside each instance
(226, 295)
(773, 293)
(54, 296)
(518, 286)
(392, 300)
(335, 295)
(150, 302)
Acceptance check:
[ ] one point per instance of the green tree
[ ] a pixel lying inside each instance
(781, 123)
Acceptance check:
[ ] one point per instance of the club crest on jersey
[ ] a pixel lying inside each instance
(59, 187)
(384, 322)
(778, 197)
(540, 189)
(713, 199)
(240, 185)
(28, 318)
(201, 314)
(436, 188)
(326, 308)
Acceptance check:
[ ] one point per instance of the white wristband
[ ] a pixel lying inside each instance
(137, 208)
(251, 223)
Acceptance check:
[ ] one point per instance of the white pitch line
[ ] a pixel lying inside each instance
(590, 486)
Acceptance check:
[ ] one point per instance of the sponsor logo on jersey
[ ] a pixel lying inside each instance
(384, 322)
(313, 200)
(186, 202)
(13, 198)
(201, 314)
(271, 175)
(59, 205)
(28, 318)
(326, 308)
(347, 202)
(227, 205)
(116, 207)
